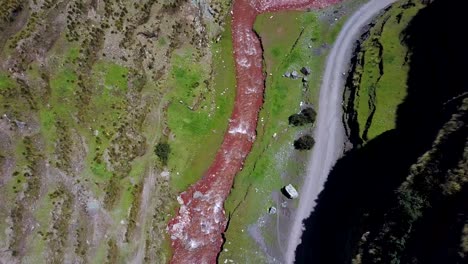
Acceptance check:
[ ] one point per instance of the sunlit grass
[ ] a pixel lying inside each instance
(199, 132)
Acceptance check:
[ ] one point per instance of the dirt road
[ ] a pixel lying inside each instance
(329, 134)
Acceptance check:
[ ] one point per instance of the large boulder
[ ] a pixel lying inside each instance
(290, 192)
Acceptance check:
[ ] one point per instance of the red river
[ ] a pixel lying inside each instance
(196, 231)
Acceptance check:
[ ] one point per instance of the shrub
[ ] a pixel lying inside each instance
(297, 120)
(307, 116)
(163, 150)
(310, 114)
(304, 143)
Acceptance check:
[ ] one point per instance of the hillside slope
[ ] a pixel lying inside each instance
(88, 89)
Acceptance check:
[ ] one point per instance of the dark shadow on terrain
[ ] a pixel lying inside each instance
(437, 237)
(360, 188)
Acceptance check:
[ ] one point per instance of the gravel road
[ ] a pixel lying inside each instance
(329, 132)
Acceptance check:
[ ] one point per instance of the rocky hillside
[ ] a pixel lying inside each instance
(87, 90)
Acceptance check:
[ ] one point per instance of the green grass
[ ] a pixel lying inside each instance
(108, 83)
(126, 199)
(107, 104)
(114, 75)
(195, 143)
(100, 170)
(391, 89)
(109, 100)
(5, 81)
(100, 255)
(73, 53)
(63, 84)
(47, 118)
(43, 216)
(162, 41)
(187, 76)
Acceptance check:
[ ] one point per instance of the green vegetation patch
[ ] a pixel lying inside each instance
(114, 75)
(197, 115)
(5, 81)
(108, 87)
(100, 170)
(187, 76)
(63, 85)
(383, 72)
(109, 96)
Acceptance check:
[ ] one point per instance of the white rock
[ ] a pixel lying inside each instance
(292, 192)
(165, 174)
(272, 210)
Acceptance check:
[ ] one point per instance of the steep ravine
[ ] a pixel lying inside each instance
(375, 84)
(400, 197)
(368, 42)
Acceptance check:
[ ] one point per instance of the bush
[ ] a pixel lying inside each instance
(304, 143)
(310, 114)
(163, 150)
(297, 120)
(307, 116)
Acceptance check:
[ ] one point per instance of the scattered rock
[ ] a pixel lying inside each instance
(294, 75)
(92, 206)
(290, 192)
(20, 125)
(272, 210)
(165, 174)
(149, 35)
(197, 194)
(306, 70)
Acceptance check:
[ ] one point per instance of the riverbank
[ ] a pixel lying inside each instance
(196, 232)
(273, 162)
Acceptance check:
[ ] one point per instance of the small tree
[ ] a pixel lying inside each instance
(163, 150)
(304, 143)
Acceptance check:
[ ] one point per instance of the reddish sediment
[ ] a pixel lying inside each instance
(196, 231)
